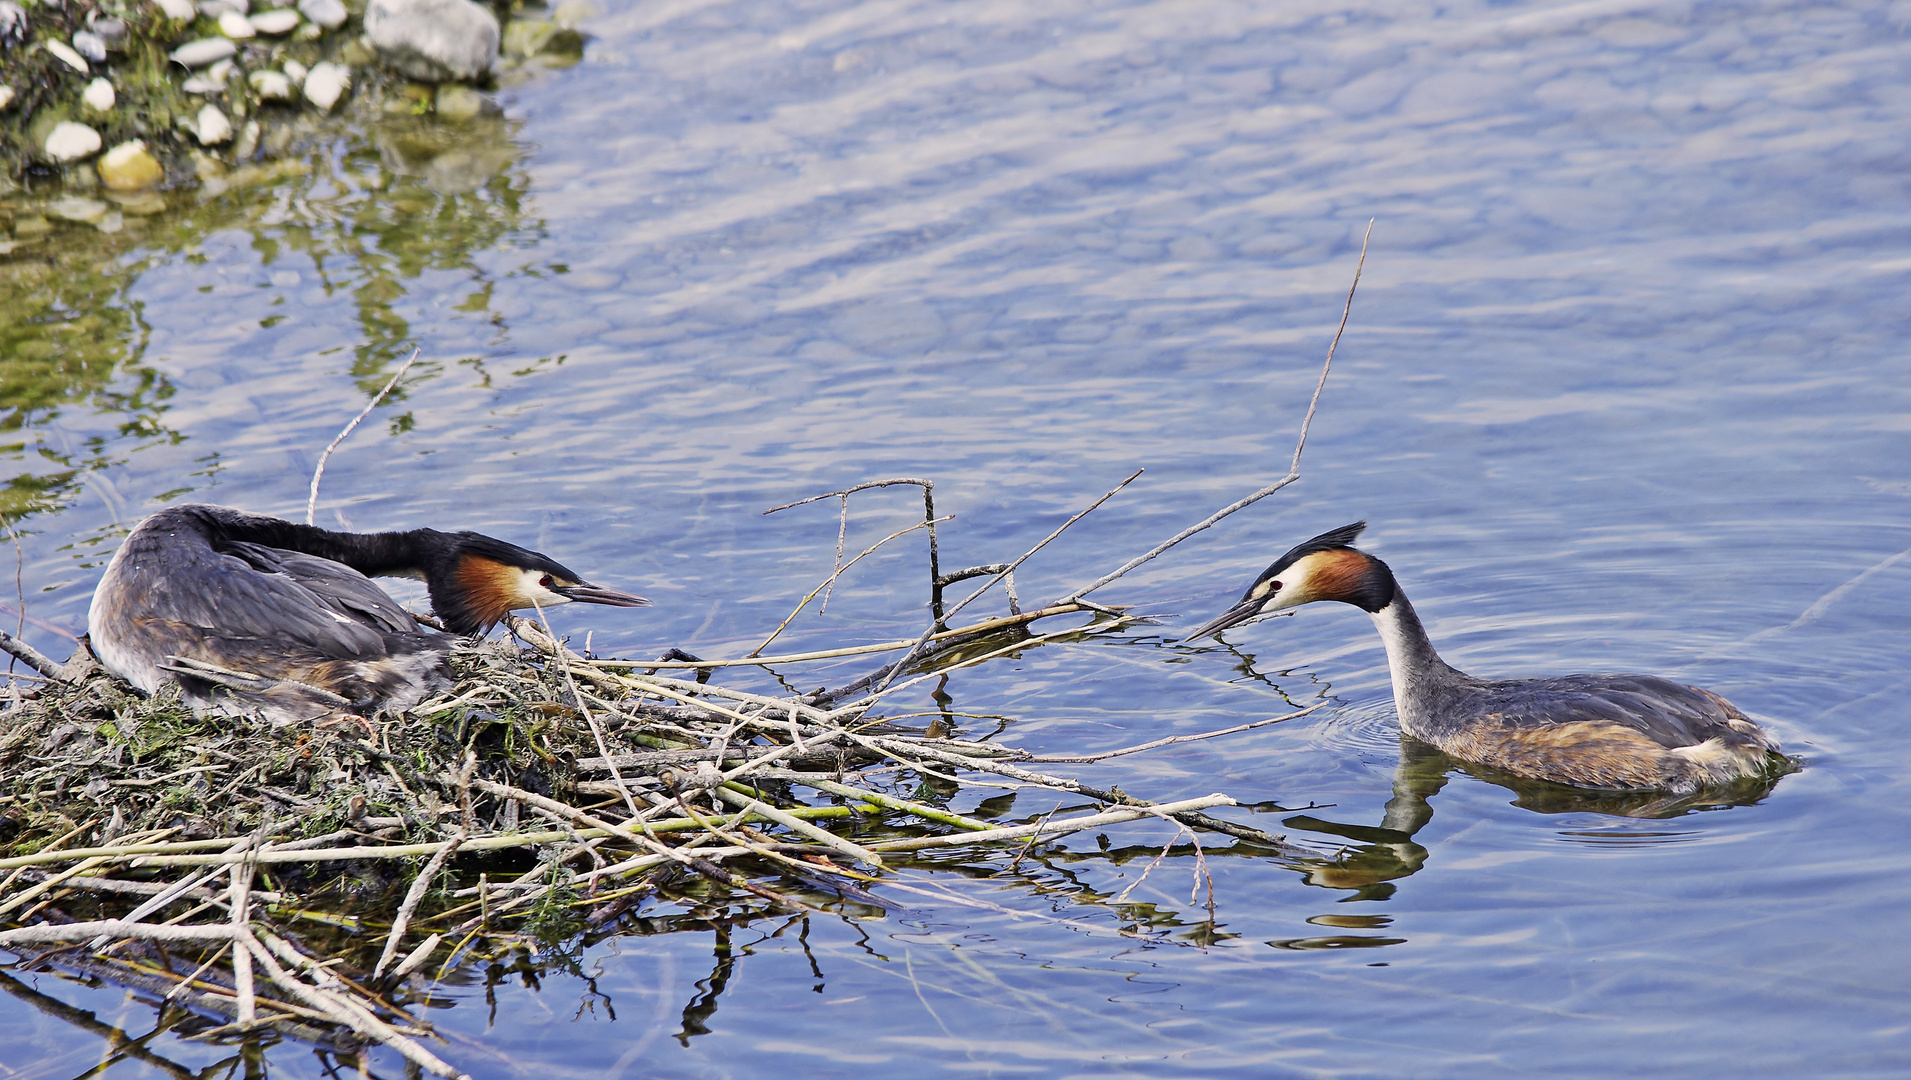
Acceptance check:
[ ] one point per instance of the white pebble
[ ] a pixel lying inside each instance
(99, 96)
(179, 10)
(219, 71)
(213, 127)
(204, 51)
(283, 21)
(271, 86)
(212, 9)
(326, 83)
(67, 56)
(200, 84)
(90, 45)
(236, 26)
(296, 72)
(6, 96)
(75, 208)
(69, 141)
(330, 14)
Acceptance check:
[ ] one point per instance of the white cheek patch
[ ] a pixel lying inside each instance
(531, 593)
(1293, 591)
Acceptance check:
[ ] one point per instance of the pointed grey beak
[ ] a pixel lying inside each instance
(1234, 616)
(592, 594)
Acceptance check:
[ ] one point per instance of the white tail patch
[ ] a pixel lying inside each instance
(1722, 760)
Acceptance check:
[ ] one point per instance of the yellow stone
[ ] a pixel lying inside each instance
(128, 167)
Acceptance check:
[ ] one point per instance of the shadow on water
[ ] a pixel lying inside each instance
(369, 211)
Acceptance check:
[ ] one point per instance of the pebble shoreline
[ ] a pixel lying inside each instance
(111, 108)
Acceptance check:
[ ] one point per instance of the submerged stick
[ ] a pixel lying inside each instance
(798, 825)
(1047, 828)
(1293, 471)
(413, 897)
(241, 902)
(902, 749)
(340, 1007)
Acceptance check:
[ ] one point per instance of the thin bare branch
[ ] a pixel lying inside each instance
(311, 500)
(853, 490)
(841, 569)
(1058, 759)
(897, 667)
(1293, 472)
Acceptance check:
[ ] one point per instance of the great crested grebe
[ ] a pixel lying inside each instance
(248, 612)
(1597, 731)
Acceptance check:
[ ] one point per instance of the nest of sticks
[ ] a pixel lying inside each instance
(314, 882)
(310, 882)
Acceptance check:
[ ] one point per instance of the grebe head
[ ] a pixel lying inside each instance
(1324, 568)
(478, 579)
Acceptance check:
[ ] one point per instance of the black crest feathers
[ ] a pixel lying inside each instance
(1336, 539)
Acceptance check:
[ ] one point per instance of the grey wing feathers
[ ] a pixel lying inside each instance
(337, 586)
(275, 595)
(1670, 714)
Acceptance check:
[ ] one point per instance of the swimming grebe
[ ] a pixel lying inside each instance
(1598, 731)
(248, 612)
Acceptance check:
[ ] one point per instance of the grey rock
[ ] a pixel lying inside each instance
(459, 103)
(112, 32)
(433, 40)
(75, 208)
(330, 14)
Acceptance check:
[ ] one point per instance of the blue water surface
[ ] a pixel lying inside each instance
(1624, 387)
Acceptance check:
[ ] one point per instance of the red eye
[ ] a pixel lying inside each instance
(545, 581)
(1274, 586)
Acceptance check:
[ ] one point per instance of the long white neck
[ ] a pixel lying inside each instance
(1419, 675)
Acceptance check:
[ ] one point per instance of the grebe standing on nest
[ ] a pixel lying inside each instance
(248, 612)
(1596, 731)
